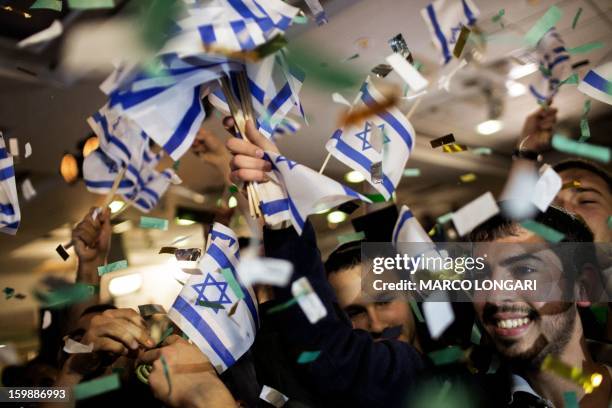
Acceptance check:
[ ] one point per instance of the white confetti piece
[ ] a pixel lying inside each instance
(28, 190)
(74, 347)
(445, 79)
(519, 191)
(308, 300)
(438, 313)
(53, 31)
(28, 150)
(338, 98)
(13, 146)
(407, 72)
(273, 397)
(46, 320)
(546, 188)
(268, 271)
(475, 213)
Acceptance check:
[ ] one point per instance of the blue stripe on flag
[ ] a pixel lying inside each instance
(535, 93)
(219, 256)
(7, 209)
(441, 38)
(265, 24)
(110, 137)
(198, 323)
(3, 153)
(391, 120)
(207, 33)
(598, 82)
(108, 184)
(186, 123)
(557, 61)
(279, 99)
(274, 207)
(405, 217)
(7, 172)
(218, 234)
(242, 35)
(296, 214)
(468, 13)
(256, 91)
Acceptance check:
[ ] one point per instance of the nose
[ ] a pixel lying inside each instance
(375, 324)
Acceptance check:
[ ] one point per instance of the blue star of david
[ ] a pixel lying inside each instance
(290, 163)
(454, 32)
(363, 136)
(221, 286)
(223, 237)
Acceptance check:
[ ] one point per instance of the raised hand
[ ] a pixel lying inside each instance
(92, 238)
(538, 130)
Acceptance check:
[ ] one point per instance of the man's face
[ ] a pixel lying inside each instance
(373, 315)
(592, 200)
(524, 328)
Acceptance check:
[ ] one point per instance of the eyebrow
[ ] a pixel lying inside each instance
(518, 258)
(588, 190)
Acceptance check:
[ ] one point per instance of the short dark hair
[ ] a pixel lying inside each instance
(585, 165)
(499, 226)
(343, 257)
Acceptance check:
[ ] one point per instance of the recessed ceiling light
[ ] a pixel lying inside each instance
(488, 127)
(515, 88)
(232, 202)
(354, 177)
(184, 222)
(126, 284)
(116, 206)
(336, 217)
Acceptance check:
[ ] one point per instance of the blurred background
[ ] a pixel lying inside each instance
(45, 102)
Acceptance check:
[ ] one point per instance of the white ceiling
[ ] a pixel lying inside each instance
(52, 119)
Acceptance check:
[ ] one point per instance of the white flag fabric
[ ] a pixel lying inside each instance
(306, 190)
(146, 195)
(10, 215)
(274, 203)
(555, 65)
(444, 19)
(408, 229)
(100, 171)
(219, 335)
(389, 130)
(597, 83)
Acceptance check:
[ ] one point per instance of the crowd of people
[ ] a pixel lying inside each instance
(371, 352)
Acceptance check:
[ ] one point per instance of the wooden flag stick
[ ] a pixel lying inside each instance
(413, 108)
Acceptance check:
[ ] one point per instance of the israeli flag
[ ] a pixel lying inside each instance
(274, 204)
(10, 215)
(149, 191)
(306, 190)
(444, 19)
(231, 25)
(100, 171)
(408, 229)
(219, 335)
(387, 137)
(597, 83)
(555, 65)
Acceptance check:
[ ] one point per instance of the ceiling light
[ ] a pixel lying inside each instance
(184, 222)
(116, 206)
(232, 202)
(488, 127)
(336, 217)
(123, 285)
(354, 177)
(69, 168)
(520, 71)
(515, 88)
(90, 145)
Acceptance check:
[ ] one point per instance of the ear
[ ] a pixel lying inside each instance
(588, 286)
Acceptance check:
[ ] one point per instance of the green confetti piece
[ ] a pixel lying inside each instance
(417, 65)
(233, 189)
(282, 306)
(166, 373)
(576, 17)
(64, 296)
(353, 236)
(324, 74)
(90, 4)
(300, 19)
(610, 222)
(156, 20)
(545, 71)
(8, 292)
(153, 223)
(233, 283)
(549, 234)
(97, 386)
(115, 266)
(376, 198)
(584, 48)
(176, 165)
(498, 16)
(586, 107)
(276, 43)
(446, 356)
(412, 172)
(47, 4)
(545, 23)
(416, 311)
(585, 131)
(570, 80)
(476, 335)
(570, 400)
(166, 334)
(482, 151)
(443, 219)
(352, 57)
(594, 152)
(212, 305)
(308, 357)
(600, 313)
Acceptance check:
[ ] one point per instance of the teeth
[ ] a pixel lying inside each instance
(512, 323)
